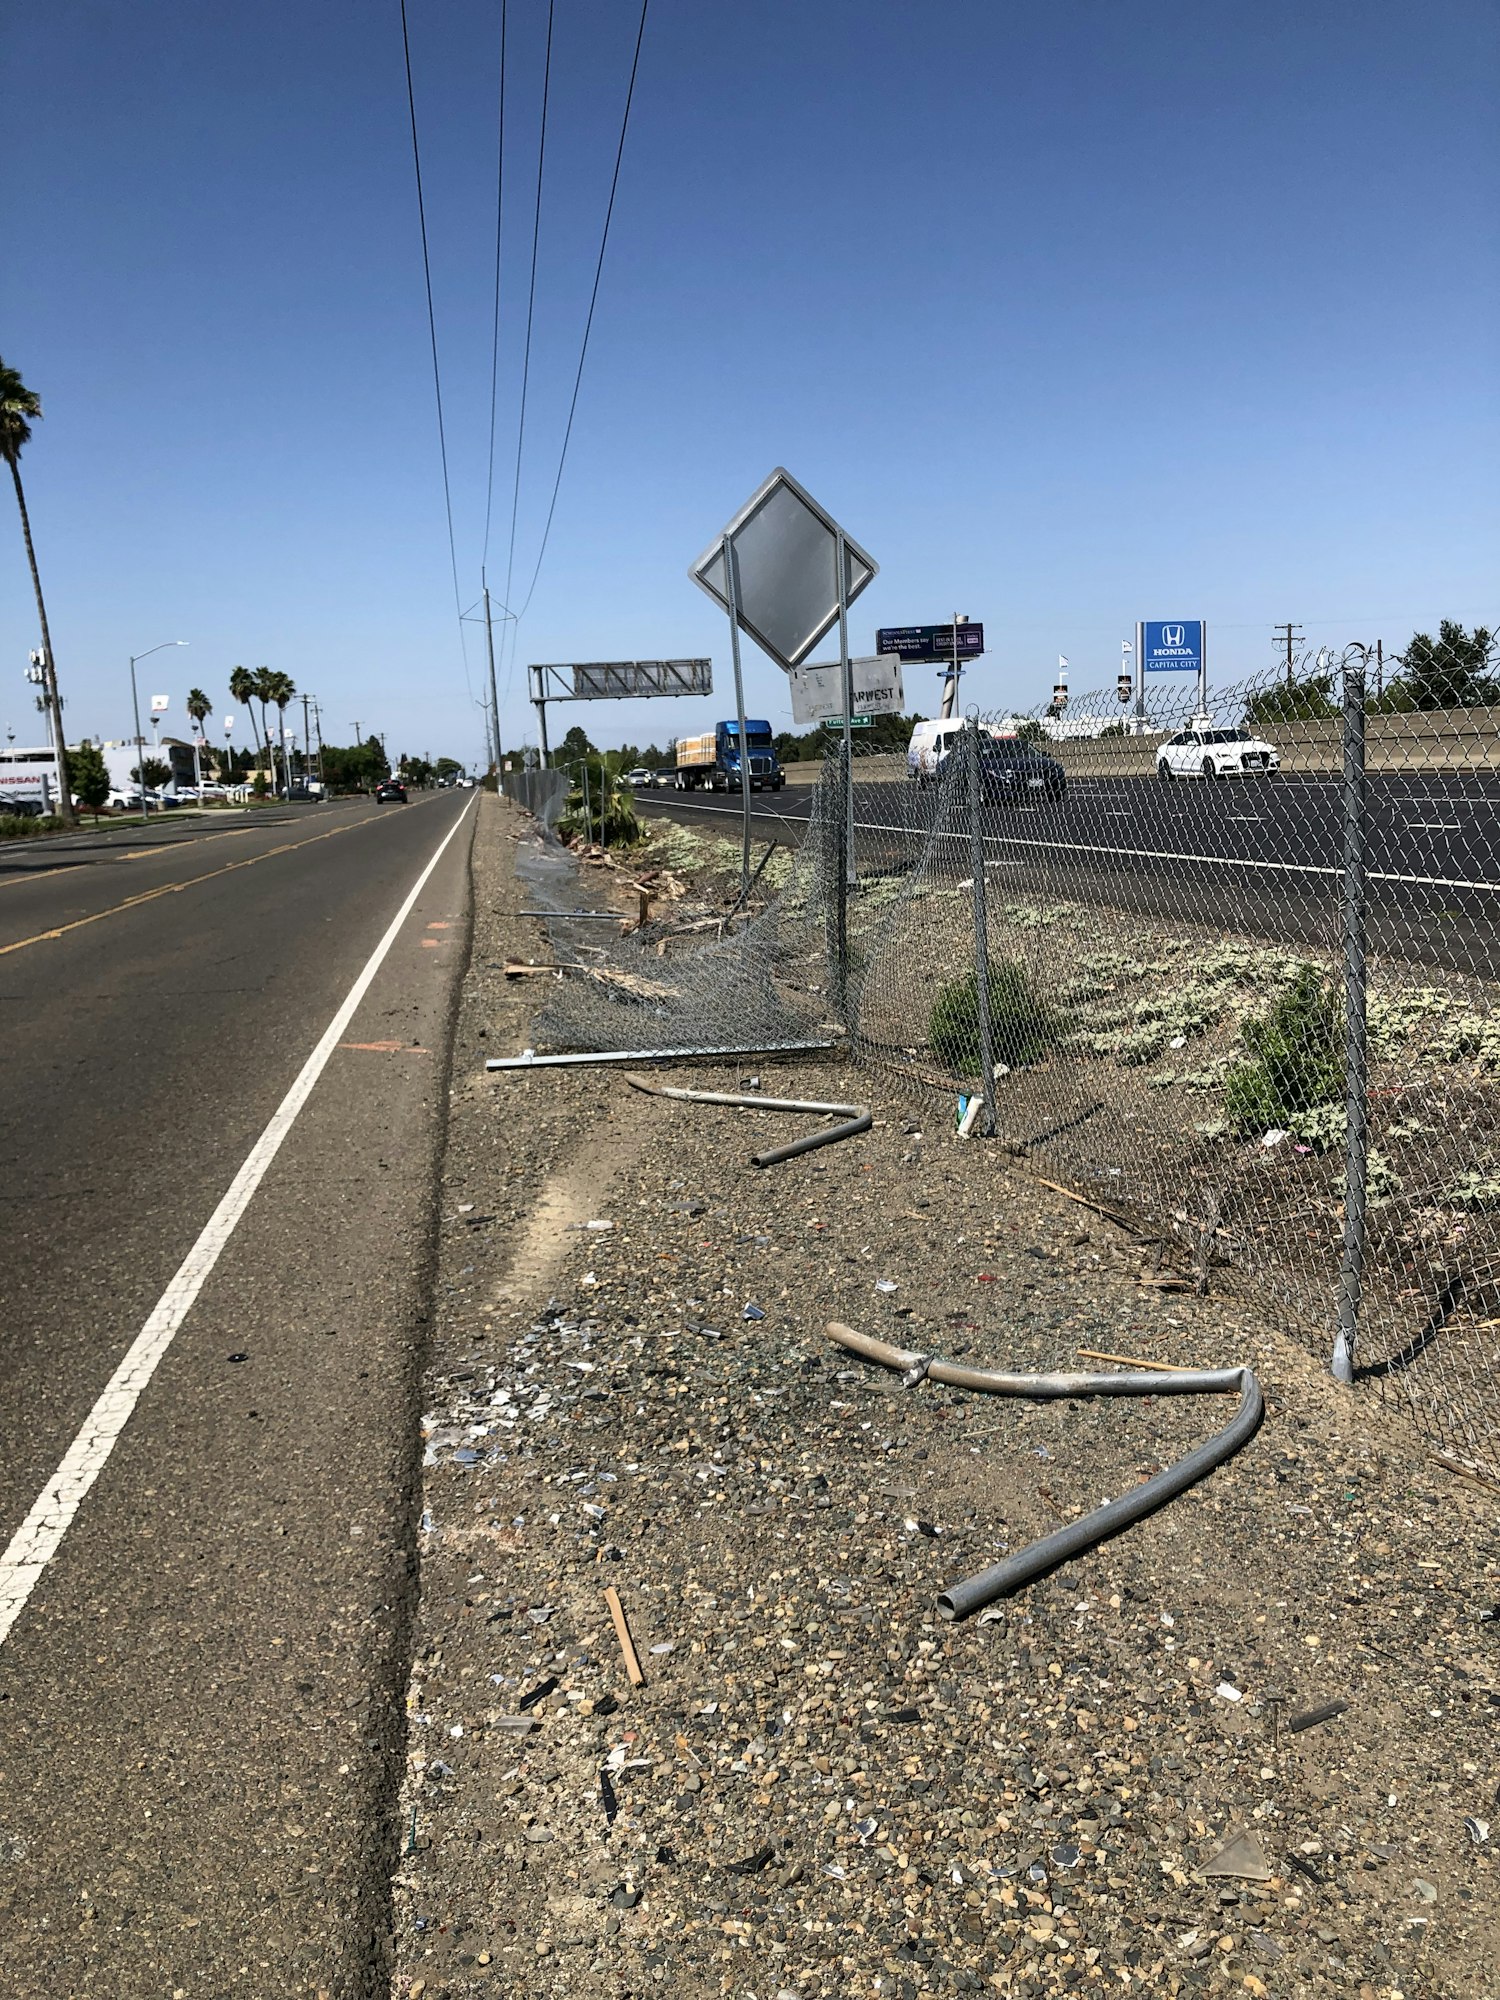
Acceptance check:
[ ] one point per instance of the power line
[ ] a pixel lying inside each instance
(437, 380)
(593, 301)
(489, 496)
(536, 225)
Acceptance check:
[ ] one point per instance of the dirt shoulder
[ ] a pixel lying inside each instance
(820, 1788)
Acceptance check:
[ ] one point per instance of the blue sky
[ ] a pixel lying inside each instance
(1073, 314)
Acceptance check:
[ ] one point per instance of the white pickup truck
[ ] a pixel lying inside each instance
(1200, 751)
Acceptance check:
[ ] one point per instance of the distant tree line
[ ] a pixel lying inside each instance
(1458, 669)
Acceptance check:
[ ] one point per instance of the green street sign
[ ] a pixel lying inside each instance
(859, 722)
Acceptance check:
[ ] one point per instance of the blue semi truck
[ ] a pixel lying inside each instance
(712, 761)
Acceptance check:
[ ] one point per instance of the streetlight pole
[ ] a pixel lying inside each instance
(135, 703)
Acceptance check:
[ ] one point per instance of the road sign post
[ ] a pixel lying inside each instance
(785, 572)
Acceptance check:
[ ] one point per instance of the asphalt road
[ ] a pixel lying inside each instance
(200, 1726)
(1261, 857)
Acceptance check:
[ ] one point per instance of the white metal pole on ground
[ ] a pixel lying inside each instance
(1203, 669)
(732, 592)
(846, 683)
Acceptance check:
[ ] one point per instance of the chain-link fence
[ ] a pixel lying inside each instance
(1233, 975)
(1227, 968)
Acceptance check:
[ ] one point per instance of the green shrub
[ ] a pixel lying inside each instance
(1296, 1064)
(611, 815)
(25, 826)
(1022, 1025)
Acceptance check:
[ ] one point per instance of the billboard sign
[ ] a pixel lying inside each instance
(930, 643)
(818, 691)
(1172, 645)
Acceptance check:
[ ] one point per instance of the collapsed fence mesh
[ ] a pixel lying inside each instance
(1232, 975)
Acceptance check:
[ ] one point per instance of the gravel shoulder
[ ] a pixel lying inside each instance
(819, 1787)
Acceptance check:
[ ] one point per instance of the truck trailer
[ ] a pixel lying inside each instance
(712, 761)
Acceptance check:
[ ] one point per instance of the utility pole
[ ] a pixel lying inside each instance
(1289, 636)
(318, 725)
(306, 743)
(489, 640)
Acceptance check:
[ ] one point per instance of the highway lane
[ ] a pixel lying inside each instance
(199, 1702)
(69, 876)
(1261, 857)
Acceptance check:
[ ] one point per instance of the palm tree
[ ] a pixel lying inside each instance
(283, 687)
(242, 690)
(18, 405)
(198, 706)
(265, 686)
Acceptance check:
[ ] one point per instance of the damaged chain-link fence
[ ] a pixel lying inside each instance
(1232, 976)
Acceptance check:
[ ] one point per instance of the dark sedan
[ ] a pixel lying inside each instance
(390, 790)
(1015, 771)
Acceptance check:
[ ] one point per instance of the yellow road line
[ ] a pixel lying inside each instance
(133, 853)
(37, 874)
(174, 888)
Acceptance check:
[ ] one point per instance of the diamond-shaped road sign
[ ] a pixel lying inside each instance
(785, 570)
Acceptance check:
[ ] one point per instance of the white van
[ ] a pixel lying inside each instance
(932, 742)
(930, 745)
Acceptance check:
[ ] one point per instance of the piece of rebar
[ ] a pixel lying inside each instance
(1002, 1578)
(856, 1117)
(747, 889)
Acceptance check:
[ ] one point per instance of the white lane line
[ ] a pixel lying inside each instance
(36, 1541)
(1151, 854)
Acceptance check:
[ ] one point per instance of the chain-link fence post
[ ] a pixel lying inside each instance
(981, 927)
(1356, 1054)
(836, 825)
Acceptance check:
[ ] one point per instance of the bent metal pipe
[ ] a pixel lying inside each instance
(1003, 1578)
(857, 1117)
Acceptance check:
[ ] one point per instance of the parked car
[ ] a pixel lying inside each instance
(390, 791)
(1200, 751)
(1011, 770)
(22, 807)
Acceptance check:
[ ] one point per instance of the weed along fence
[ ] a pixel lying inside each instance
(1251, 1014)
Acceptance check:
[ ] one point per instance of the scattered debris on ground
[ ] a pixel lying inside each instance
(1248, 1747)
